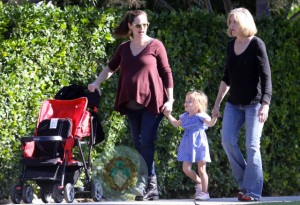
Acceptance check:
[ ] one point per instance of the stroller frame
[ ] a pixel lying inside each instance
(48, 158)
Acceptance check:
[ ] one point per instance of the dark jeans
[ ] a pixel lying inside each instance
(144, 126)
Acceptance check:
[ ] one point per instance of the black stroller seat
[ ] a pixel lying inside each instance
(49, 142)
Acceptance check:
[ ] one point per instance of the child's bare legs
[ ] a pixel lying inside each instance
(201, 180)
(187, 169)
(203, 174)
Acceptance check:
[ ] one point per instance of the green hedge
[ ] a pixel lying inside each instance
(45, 49)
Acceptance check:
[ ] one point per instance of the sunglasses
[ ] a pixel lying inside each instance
(145, 25)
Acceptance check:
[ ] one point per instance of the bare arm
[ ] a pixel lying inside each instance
(172, 120)
(223, 89)
(170, 94)
(104, 75)
(211, 122)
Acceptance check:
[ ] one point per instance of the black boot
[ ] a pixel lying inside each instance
(151, 191)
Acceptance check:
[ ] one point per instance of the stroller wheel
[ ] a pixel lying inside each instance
(16, 194)
(69, 193)
(96, 191)
(27, 194)
(45, 196)
(57, 194)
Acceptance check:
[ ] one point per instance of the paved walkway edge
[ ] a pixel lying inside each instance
(212, 201)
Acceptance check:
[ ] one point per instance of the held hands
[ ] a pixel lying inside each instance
(216, 111)
(167, 107)
(93, 86)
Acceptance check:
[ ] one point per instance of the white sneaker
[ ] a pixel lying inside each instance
(198, 189)
(202, 196)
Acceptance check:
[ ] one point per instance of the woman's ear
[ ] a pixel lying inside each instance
(129, 25)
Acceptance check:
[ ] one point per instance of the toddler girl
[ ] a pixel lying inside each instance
(193, 147)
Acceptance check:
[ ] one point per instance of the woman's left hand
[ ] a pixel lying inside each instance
(263, 113)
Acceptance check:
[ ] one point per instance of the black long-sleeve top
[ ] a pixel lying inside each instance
(248, 74)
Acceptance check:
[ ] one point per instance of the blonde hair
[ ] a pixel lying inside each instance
(244, 19)
(200, 99)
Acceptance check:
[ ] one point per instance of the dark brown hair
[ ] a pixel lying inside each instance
(122, 29)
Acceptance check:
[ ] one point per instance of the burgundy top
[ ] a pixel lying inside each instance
(144, 77)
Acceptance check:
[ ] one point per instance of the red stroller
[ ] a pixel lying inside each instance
(48, 158)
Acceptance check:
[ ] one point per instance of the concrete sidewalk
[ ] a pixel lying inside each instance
(212, 201)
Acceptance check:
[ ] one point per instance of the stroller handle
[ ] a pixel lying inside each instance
(42, 139)
(74, 91)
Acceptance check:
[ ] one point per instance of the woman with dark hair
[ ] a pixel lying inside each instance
(145, 88)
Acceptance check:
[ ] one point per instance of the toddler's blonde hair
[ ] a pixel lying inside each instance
(200, 99)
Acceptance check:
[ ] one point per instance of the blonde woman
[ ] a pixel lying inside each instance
(247, 78)
(193, 147)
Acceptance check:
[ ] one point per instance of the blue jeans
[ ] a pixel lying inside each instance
(144, 126)
(247, 172)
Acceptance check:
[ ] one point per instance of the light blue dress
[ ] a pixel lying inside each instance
(193, 145)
